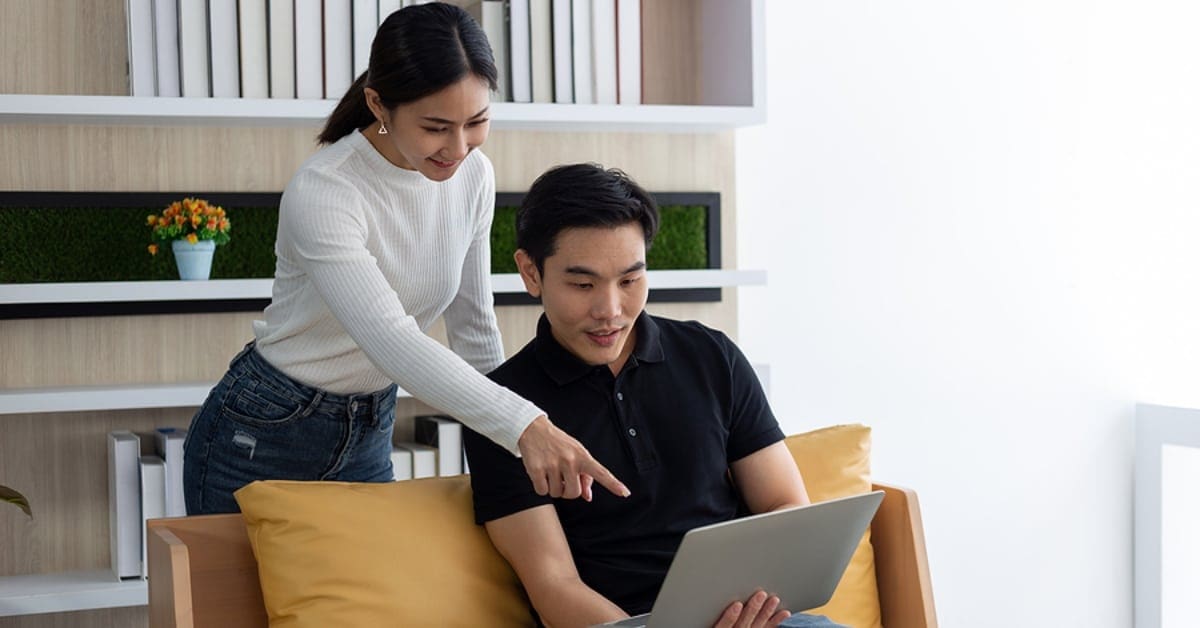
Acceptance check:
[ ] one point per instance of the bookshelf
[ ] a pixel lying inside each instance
(69, 126)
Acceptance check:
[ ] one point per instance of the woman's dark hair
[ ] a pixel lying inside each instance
(580, 195)
(417, 51)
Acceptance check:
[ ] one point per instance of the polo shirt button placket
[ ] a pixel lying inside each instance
(620, 396)
(632, 433)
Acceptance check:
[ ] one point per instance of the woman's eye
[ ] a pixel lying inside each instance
(435, 130)
(478, 122)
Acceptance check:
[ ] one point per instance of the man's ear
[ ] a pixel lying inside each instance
(529, 273)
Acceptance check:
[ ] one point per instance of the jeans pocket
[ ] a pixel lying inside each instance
(253, 403)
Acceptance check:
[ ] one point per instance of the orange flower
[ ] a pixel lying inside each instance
(224, 224)
(196, 220)
(211, 224)
(151, 220)
(179, 220)
(153, 248)
(192, 239)
(162, 222)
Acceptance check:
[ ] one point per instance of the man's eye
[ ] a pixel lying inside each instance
(583, 286)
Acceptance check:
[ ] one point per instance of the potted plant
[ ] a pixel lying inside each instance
(15, 498)
(195, 229)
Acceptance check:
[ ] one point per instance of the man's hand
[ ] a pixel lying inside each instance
(560, 466)
(757, 612)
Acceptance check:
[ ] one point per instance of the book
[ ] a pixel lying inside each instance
(252, 47)
(518, 50)
(139, 18)
(223, 48)
(388, 7)
(166, 47)
(541, 51)
(491, 16)
(444, 434)
(629, 52)
(153, 491)
(564, 64)
(581, 50)
(339, 48)
(424, 459)
(168, 444)
(365, 16)
(281, 39)
(604, 51)
(124, 504)
(193, 49)
(402, 464)
(309, 44)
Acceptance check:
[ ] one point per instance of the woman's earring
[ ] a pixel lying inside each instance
(382, 128)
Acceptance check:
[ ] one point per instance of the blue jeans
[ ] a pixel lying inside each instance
(809, 621)
(258, 424)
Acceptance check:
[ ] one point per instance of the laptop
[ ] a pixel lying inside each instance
(798, 554)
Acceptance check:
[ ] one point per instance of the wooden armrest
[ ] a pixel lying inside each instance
(901, 564)
(170, 579)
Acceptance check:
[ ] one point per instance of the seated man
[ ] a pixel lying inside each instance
(672, 408)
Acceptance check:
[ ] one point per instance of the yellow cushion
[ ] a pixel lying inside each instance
(835, 462)
(334, 554)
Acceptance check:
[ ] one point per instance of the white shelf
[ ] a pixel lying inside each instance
(242, 112)
(68, 591)
(225, 289)
(102, 398)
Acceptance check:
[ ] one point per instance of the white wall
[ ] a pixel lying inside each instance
(981, 223)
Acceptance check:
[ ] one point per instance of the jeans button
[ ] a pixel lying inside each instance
(353, 406)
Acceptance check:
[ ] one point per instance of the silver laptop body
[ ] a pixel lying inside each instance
(798, 554)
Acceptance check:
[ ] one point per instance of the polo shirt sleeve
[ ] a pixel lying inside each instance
(752, 424)
(499, 484)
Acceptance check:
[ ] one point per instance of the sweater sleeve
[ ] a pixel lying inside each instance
(322, 218)
(471, 325)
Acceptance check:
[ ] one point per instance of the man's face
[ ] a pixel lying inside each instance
(593, 288)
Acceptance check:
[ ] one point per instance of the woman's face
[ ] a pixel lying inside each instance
(434, 134)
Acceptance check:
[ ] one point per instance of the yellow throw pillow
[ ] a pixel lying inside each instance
(334, 554)
(836, 462)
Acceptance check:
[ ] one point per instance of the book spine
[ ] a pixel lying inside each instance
(223, 48)
(168, 444)
(495, 26)
(140, 27)
(153, 490)
(581, 50)
(564, 76)
(193, 49)
(402, 464)
(629, 52)
(166, 46)
(252, 36)
(604, 50)
(519, 54)
(310, 82)
(388, 7)
(339, 48)
(541, 51)
(282, 41)
(124, 504)
(366, 22)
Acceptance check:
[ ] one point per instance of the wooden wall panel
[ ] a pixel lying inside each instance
(63, 47)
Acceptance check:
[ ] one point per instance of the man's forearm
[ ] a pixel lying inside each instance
(573, 605)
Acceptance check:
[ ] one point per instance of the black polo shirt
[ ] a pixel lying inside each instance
(685, 405)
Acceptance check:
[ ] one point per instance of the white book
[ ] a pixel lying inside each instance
(604, 51)
(564, 75)
(166, 46)
(402, 464)
(310, 82)
(282, 43)
(223, 48)
(424, 459)
(252, 47)
(339, 48)
(444, 434)
(168, 444)
(124, 504)
(139, 18)
(388, 7)
(629, 52)
(518, 50)
(490, 15)
(541, 51)
(193, 49)
(366, 22)
(581, 50)
(154, 497)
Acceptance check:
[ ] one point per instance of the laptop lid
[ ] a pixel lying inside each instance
(798, 554)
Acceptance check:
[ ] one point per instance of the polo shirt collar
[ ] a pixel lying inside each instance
(563, 367)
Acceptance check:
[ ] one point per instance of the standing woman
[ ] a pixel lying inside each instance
(382, 231)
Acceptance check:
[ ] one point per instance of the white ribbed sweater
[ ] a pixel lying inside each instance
(369, 255)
